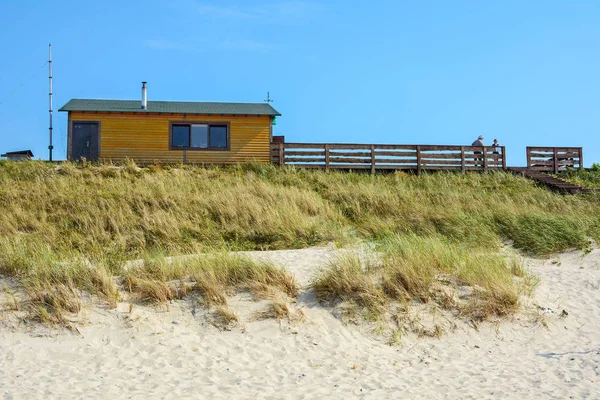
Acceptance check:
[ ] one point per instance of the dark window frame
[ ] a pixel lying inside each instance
(227, 125)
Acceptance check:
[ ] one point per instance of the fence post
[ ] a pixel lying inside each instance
(581, 158)
(528, 150)
(555, 161)
(503, 149)
(463, 163)
(485, 159)
(326, 157)
(418, 160)
(281, 159)
(372, 159)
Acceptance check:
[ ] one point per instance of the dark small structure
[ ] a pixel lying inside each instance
(18, 155)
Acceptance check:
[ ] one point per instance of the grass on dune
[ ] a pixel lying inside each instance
(76, 225)
(589, 178)
(474, 284)
(214, 277)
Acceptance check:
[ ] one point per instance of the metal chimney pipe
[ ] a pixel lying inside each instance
(144, 97)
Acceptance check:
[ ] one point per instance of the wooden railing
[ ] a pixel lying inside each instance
(554, 159)
(388, 156)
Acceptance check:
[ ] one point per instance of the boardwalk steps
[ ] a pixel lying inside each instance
(549, 181)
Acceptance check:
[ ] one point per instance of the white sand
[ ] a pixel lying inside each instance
(152, 353)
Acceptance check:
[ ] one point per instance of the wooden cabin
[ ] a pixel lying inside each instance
(169, 131)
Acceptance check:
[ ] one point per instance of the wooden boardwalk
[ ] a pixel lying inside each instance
(541, 161)
(375, 157)
(558, 185)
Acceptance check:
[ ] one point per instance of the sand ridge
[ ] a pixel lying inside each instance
(152, 352)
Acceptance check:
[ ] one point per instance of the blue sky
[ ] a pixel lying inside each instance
(414, 72)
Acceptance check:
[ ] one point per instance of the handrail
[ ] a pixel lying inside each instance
(389, 156)
(554, 159)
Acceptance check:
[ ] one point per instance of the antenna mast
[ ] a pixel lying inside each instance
(50, 147)
(268, 99)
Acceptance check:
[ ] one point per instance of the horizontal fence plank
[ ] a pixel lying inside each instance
(444, 155)
(440, 162)
(551, 154)
(304, 153)
(573, 149)
(396, 161)
(303, 159)
(334, 153)
(396, 153)
(349, 166)
(349, 160)
(395, 147)
(304, 146)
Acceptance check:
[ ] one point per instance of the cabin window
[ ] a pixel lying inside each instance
(181, 136)
(199, 136)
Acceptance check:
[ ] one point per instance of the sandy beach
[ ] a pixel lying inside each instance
(152, 352)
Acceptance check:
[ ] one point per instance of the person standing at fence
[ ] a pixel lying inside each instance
(496, 146)
(478, 142)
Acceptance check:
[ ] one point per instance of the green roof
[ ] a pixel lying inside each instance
(180, 107)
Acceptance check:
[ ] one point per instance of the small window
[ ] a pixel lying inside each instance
(199, 136)
(181, 136)
(218, 137)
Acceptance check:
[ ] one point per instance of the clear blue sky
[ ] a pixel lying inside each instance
(417, 72)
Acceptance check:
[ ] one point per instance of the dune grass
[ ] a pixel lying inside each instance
(76, 225)
(589, 178)
(214, 277)
(474, 284)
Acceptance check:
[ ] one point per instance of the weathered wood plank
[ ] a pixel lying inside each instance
(560, 153)
(304, 153)
(425, 156)
(396, 161)
(349, 160)
(350, 154)
(396, 153)
(559, 149)
(349, 166)
(303, 159)
(440, 162)
(305, 146)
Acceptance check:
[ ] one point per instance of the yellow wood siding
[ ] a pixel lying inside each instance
(145, 137)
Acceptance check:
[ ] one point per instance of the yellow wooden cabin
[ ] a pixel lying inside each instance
(169, 131)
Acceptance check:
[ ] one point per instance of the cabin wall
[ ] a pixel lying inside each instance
(145, 137)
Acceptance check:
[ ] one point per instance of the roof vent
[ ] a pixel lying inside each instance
(144, 97)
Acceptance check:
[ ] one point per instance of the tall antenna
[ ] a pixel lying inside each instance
(50, 147)
(268, 99)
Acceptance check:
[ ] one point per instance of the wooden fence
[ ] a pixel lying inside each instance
(388, 157)
(554, 159)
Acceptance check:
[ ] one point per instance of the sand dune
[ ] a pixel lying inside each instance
(155, 353)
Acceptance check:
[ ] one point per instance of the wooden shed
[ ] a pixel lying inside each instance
(169, 131)
(18, 155)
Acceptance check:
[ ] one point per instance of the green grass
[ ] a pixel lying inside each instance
(586, 178)
(426, 270)
(76, 225)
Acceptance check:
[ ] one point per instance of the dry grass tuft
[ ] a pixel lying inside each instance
(223, 318)
(214, 276)
(348, 280)
(474, 285)
(50, 304)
